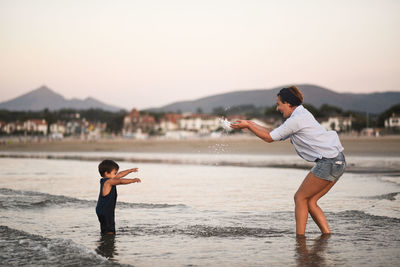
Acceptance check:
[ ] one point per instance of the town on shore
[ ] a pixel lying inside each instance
(97, 124)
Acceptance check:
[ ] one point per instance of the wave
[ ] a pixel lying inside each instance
(392, 179)
(366, 219)
(205, 231)
(11, 199)
(23, 249)
(363, 227)
(390, 196)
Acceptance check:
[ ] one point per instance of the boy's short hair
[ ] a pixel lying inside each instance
(107, 165)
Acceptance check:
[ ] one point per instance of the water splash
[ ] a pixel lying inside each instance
(225, 124)
(219, 148)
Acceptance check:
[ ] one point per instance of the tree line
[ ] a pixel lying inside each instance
(114, 120)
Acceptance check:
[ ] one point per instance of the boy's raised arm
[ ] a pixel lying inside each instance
(125, 173)
(117, 181)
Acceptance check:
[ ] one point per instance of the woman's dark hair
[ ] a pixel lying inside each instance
(107, 165)
(291, 95)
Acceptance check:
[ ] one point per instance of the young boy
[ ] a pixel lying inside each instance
(105, 208)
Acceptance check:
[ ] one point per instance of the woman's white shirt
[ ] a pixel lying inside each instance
(310, 139)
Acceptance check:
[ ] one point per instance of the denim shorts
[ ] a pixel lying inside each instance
(330, 168)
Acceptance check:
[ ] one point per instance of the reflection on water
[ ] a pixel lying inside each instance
(314, 256)
(106, 246)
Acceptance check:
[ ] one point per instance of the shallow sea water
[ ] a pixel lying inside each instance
(191, 215)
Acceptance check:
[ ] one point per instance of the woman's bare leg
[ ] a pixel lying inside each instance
(312, 186)
(315, 211)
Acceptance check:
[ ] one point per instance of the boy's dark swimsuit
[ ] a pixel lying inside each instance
(105, 208)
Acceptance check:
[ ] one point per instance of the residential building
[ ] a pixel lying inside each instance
(58, 128)
(2, 125)
(35, 126)
(339, 123)
(12, 127)
(135, 124)
(199, 123)
(393, 121)
(169, 122)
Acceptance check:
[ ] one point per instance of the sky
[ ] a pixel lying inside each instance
(149, 53)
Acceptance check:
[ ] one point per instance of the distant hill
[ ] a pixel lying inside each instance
(44, 97)
(374, 103)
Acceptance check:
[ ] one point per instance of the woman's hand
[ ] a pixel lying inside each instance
(240, 124)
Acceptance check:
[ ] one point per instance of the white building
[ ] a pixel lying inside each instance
(38, 126)
(338, 124)
(199, 123)
(58, 128)
(12, 127)
(393, 121)
(169, 122)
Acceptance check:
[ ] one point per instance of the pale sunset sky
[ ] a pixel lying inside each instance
(150, 53)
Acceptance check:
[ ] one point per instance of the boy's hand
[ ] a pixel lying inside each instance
(134, 169)
(137, 180)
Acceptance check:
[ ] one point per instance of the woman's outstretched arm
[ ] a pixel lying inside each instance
(258, 130)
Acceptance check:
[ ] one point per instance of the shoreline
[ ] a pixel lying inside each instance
(360, 165)
(364, 155)
(353, 146)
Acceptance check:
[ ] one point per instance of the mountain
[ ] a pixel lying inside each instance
(44, 97)
(374, 103)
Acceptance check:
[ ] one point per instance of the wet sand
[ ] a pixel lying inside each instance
(388, 146)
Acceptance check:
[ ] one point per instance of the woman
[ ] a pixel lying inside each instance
(313, 143)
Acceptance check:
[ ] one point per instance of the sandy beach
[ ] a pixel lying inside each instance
(363, 155)
(388, 146)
